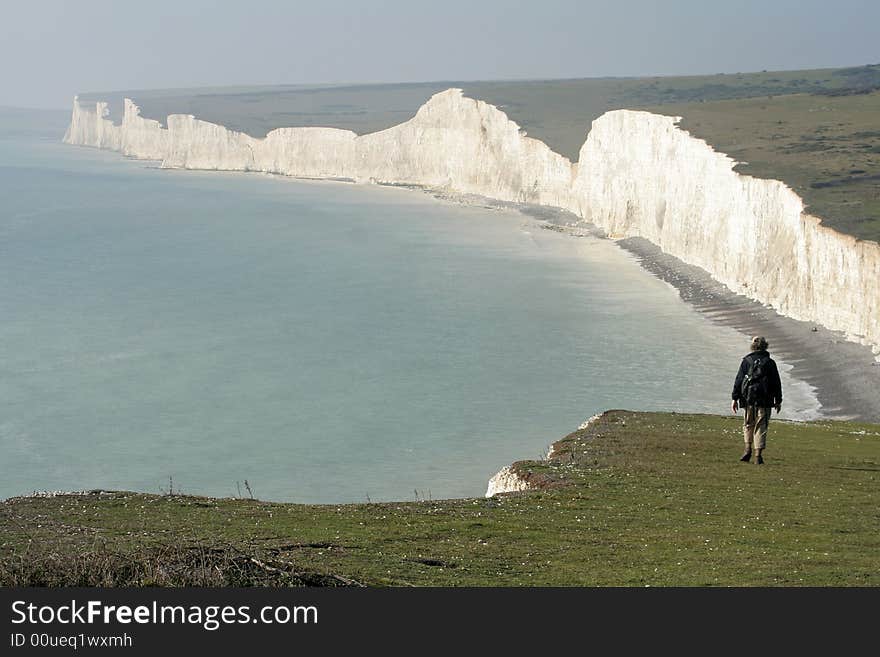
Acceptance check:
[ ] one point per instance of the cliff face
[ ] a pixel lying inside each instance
(136, 137)
(638, 175)
(453, 142)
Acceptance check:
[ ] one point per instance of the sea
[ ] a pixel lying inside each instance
(237, 335)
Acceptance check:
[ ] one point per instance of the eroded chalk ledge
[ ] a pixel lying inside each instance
(518, 477)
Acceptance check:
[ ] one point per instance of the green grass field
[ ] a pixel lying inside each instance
(637, 499)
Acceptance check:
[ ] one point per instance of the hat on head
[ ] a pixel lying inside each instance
(759, 343)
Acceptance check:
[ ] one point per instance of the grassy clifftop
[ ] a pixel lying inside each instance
(825, 147)
(636, 499)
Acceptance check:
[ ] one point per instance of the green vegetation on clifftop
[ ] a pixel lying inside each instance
(636, 499)
(826, 148)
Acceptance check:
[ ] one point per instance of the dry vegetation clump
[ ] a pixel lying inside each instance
(169, 565)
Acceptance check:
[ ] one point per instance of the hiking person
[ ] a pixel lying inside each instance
(757, 389)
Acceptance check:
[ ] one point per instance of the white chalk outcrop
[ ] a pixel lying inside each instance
(506, 480)
(638, 175)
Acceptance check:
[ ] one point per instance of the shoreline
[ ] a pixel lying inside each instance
(844, 376)
(713, 300)
(817, 357)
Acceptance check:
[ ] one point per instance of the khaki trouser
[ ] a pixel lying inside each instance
(755, 426)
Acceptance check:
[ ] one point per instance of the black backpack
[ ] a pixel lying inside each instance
(755, 389)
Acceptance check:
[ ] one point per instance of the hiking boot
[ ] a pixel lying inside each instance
(759, 460)
(745, 458)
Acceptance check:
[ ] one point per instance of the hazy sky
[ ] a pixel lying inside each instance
(50, 50)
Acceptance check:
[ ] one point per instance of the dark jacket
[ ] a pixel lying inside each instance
(774, 385)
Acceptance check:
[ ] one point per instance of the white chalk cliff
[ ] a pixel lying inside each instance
(506, 480)
(638, 175)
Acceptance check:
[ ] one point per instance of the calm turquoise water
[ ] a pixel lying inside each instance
(325, 342)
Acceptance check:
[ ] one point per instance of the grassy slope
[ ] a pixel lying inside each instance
(637, 499)
(559, 112)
